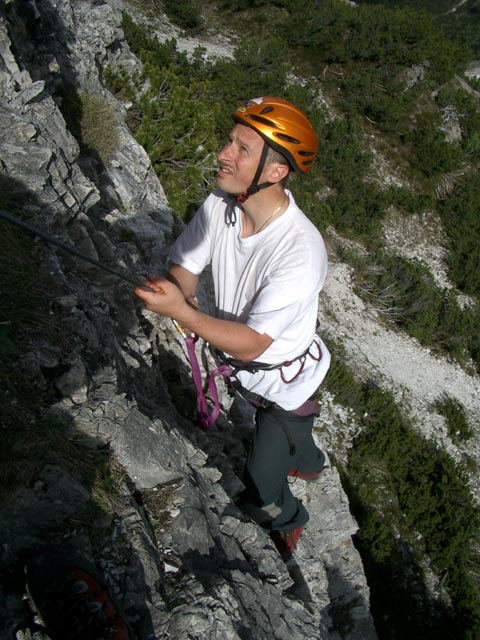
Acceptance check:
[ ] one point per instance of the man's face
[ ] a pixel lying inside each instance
(239, 159)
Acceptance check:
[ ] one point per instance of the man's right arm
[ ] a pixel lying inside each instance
(235, 338)
(186, 281)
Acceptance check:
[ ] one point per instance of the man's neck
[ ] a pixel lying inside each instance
(260, 210)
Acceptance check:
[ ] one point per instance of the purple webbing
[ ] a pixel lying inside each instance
(205, 418)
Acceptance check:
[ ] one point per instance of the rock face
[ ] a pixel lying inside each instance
(180, 556)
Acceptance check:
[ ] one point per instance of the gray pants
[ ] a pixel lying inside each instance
(282, 441)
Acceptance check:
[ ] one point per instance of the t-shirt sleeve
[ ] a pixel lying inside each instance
(192, 249)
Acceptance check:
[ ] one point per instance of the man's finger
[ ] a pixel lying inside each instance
(153, 283)
(145, 290)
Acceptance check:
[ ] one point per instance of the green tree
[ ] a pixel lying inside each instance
(338, 32)
(465, 105)
(426, 492)
(459, 428)
(378, 95)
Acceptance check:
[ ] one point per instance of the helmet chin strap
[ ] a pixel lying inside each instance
(240, 198)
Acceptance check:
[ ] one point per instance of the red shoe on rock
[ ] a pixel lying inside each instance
(308, 477)
(73, 599)
(286, 541)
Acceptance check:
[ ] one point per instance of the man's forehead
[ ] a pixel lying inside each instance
(246, 134)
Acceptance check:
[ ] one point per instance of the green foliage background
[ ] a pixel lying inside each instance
(461, 23)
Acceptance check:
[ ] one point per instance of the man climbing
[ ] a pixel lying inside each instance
(268, 265)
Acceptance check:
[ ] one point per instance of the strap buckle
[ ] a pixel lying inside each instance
(182, 331)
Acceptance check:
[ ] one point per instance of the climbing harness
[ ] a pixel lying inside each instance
(254, 366)
(228, 369)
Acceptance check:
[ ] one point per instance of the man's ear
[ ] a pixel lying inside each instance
(277, 171)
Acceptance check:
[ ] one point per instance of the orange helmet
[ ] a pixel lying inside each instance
(283, 127)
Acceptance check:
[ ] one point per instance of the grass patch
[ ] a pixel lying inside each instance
(93, 122)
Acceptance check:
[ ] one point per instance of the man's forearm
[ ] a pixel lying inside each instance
(237, 339)
(170, 297)
(186, 281)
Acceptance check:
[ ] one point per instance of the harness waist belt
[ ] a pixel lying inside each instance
(254, 365)
(228, 370)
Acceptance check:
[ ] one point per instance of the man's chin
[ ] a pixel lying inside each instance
(222, 182)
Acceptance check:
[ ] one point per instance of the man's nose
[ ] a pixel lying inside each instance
(225, 153)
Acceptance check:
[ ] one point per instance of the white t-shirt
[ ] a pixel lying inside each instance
(269, 281)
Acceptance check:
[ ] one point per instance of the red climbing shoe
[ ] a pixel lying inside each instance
(73, 599)
(308, 477)
(286, 541)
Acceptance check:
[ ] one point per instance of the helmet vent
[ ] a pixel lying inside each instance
(286, 138)
(266, 109)
(305, 153)
(266, 121)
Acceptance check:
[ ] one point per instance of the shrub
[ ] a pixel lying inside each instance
(463, 26)
(358, 210)
(340, 381)
(342, 154)
(377, 93)
(186, 13)
(119, 83)
(407, 200)
(399, 486)
(404, 292)
(185, 112)
(241, 5)
(462, 223)
(466, 106)
(340, 33)
(356, 206)
(432, 154)
(458, 427)
(178, 131)
(258, 68)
